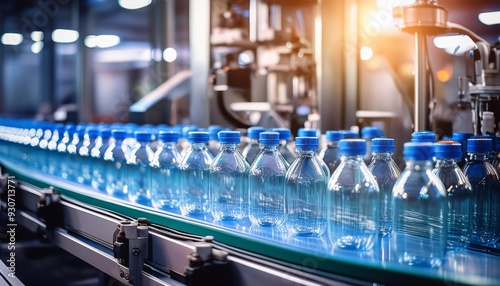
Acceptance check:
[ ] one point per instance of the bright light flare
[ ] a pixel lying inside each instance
(490, 18)
(455, 45)
(37, 47)
(365, 53)
(64, 36)
(12, 39)
(134, 4)
(37, 36)
(169, 55)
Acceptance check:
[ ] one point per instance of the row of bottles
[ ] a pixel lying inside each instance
(432, 206)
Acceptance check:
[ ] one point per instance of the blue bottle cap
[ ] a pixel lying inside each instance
(461, 136)
(382, 145)
(93, 132)
(269, 138)
(479, 145)
(60, 129)
(71, 130)
(348, 134)
(213, 130)
(142, 135)
(119, 133)
(306, 143)
(333, 135)
(305, 132)
(423, 136)
(81, 129)
(371, 132)
(187, 129)
(254, 131)
(105, 133)
(447, 150)
(352, 147)
(168, 136)
(419, 151)
(285, 133)
(198, 137)
(229, 137)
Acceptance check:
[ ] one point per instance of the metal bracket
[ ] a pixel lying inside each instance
(131, 248)
(50, 209)
(207, 266)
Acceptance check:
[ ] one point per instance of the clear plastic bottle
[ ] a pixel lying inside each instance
(368, 133)
(229, 179)
(54, 158)
(138, 169)
(66, 172)
(267, 183)
(48, 130)
(305, 191)
(252, 149)
(86, 162)
(310, 132)
(165, 173)
(115, 164)
(461, 137)
(386, 173)
(485, 186)
(73, 159)
(330, 153)
(458, 190)
(419, 210)
(284, 146)
(353, 200)
(98, 180)
(195, 170)
(213, 142)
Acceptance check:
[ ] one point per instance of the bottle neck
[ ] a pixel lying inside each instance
(358, 158)
(306, 153)
(386, 156)
(478, 156)
(228, 147)
(446, 162)
(419, 165)
(268, 148)
(198, 145)
(332, 144)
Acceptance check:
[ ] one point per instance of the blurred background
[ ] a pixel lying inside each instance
(323, 64)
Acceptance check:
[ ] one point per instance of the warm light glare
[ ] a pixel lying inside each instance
(490, 18)
(36, 47)
(12, 39)
(389, 4)
(169, 55)
(64, 36)
(366, 53)
(37, 36)
(443, 75)
(134, 4)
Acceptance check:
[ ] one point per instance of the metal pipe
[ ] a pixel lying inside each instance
(421, 99)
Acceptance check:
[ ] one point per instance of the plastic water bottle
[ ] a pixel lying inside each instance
(284, 146)
(165, 188)
(86, 162)
(229, 179)
(330, 153)
(252, 149)
(213, 142)
(305, 191)
(138, 169)
(267, 183)
(349, 134)
(98, 181)
(462, 139)
(353, 200)
(62, 148)
(485, 186)
(74, 160)
(368, 133)
(423, 136)
(420, 210)
(195, 170)
(54, 158)
(310, 132)
(458, 190)
(386, 173)
(115, 164)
